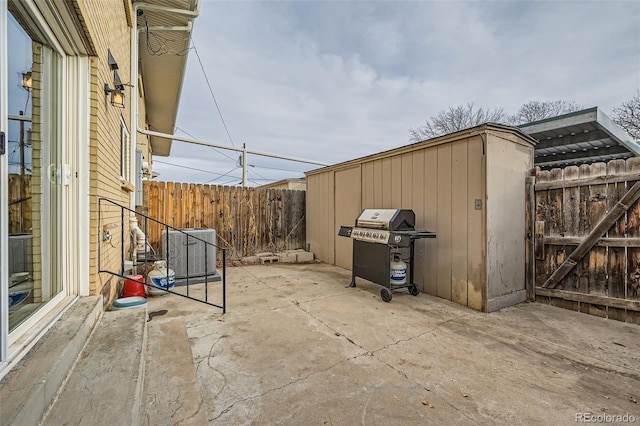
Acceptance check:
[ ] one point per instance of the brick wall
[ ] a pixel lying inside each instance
(109, 29)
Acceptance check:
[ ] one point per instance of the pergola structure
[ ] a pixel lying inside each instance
(581, 137)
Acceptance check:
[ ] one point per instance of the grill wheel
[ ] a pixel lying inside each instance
(414, 290)
(385, 293)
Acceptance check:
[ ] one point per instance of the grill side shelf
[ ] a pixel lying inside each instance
(345, 231)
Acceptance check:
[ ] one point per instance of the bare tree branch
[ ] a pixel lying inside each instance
(539, 110)
(627, 115)
(454, 119)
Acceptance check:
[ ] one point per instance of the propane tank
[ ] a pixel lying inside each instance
(398, 270)
(157, 278)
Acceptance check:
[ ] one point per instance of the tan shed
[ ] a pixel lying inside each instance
(468, 187)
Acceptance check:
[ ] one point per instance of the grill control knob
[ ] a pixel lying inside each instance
(374, 235)
(368, 234)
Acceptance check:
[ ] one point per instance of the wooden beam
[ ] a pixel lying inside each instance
(597, 180)
(579, 138)
(633, 305)
(596, 233)
(602, 242)
(575, 154)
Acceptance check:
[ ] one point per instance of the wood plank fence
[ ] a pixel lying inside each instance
(584, 253)
(19, 190)
(246, 220)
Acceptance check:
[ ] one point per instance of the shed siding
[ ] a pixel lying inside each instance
(476, 229)
(320, 216)
(441, 182)
(443, 226)
(429, 194)
(433, 182)
(459, 219)
(507, 165)
(347, 207)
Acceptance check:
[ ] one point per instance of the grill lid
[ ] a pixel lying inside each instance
(389, 219)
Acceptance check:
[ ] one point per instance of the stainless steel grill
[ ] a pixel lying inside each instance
(378, 236)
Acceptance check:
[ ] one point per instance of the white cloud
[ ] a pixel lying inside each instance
(331, 81)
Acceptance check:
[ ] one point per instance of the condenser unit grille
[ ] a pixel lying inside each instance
(189, 256)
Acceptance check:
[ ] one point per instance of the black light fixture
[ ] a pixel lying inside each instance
(27, 81)
(111, 60)
(117, 95)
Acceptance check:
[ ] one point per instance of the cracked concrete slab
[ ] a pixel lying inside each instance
(27, 392)
(103, 387)
(171, 389)
(297, 347)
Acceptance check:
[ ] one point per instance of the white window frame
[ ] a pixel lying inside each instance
(4, 184)
(75, 227)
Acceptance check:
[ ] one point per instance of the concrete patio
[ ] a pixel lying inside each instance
(298, 347)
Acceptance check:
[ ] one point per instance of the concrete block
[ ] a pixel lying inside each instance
(287, 257)
(268, 259)
(305, 256)
(265, 254)
(250, 259)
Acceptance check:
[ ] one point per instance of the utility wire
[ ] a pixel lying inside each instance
(215, 149)
(221, 176)
(276, 168)
(256, 173)
(211, 90)
(190, 168)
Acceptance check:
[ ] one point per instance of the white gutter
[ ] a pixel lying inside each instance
(134, 90)
(134, 67)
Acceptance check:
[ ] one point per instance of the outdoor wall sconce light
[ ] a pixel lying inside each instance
(27, 81)
(117, 95)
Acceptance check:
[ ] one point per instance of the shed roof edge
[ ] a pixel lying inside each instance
(440, 140)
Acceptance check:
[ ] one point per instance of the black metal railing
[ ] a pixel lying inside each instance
(202, 279)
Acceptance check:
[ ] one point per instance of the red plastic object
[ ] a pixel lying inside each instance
(133, 286)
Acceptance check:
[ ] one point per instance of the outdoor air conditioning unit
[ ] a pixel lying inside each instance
(20, 253)
(187, 254)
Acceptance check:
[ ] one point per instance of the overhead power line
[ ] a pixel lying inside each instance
(191, 168)
(215, 149)
(212, 94)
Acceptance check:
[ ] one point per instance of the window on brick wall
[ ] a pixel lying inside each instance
(125, 154)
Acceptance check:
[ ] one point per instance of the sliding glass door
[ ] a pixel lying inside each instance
(33, 174)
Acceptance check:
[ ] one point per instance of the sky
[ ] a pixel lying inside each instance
(331, 81)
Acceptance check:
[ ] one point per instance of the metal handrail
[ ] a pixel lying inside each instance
(167, 255)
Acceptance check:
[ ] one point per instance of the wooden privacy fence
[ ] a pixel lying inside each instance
(246, 220)
(585, 247)
(20, 204)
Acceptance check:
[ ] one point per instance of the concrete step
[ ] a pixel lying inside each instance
(105, 384)
(28, 390)
(171, 389)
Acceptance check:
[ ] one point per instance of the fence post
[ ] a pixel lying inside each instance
(530, 217)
